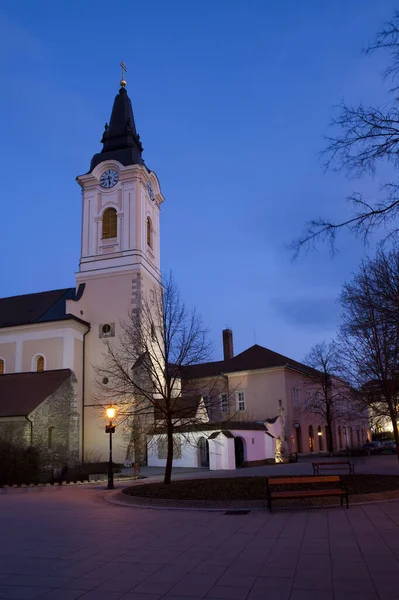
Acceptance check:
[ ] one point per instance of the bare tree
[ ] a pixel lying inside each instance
(141, 372)
(327, 395)
(363, 137)
(369, 335)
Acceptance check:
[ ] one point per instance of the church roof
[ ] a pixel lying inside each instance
(37, 308)
(120, 139)
(21, 393)
(255, 357)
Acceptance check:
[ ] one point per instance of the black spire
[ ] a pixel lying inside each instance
(120, 139)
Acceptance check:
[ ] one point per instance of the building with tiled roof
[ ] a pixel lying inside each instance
(47, 334)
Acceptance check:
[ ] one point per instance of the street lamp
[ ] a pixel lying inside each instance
(110, 428)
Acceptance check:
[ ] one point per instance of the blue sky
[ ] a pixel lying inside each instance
(231, 100)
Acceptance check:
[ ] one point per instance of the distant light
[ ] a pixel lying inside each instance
(319, 433)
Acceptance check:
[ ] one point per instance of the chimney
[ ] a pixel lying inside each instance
(228, 350)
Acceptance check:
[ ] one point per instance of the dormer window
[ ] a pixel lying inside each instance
(2, 366)
(110, 224)
(40, 364)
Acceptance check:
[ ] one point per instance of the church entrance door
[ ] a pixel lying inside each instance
(239, 452)
(203, 449)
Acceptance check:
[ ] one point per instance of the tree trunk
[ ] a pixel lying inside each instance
(169, 456)
(330, 439)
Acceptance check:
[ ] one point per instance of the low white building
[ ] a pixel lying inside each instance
(215, 446)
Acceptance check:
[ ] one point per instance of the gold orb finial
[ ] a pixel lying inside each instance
(124, 70)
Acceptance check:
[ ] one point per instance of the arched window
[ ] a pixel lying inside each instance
(311, 439)
(110, 224)
(2, 366)
(149, 232)
(40, 364)
(298, 432)
(320, 436)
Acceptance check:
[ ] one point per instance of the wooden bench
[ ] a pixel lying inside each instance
(333, 465)
(272, 482)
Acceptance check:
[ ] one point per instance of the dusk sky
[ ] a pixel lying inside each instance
(231, 100)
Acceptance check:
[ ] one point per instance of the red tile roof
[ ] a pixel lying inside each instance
(255, 357)
(21, 393)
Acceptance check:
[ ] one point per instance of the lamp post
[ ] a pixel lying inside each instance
(110, 428)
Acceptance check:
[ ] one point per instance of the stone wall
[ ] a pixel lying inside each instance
(52, 428)
(56, 425)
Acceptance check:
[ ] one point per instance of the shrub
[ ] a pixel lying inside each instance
(18, 464)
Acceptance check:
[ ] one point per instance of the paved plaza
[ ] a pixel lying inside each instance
(65, 543)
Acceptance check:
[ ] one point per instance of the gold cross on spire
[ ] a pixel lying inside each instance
(124, 70)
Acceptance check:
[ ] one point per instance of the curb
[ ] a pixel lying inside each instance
(120, 499)
(5, 488)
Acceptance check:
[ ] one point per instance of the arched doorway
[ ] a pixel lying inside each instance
(358, 436)
(298, 432)
(345, 437)
(351, 436)
(311, 439)
(340, 437)
(320, 436)
(239, 450)
(203, 452)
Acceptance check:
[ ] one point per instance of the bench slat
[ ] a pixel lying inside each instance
(307, 493)
(310, 479)
(332, 462)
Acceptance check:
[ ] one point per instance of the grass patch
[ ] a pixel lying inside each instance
(248, 488)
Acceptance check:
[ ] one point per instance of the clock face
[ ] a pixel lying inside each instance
(150, 190)
(109, 178)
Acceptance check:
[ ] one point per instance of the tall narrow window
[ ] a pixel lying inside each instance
(240, 401)
(40, 364)
(296, 396)
(2, 369)
(110, 224)
(224, 403)
(149, 232)
(311, 439)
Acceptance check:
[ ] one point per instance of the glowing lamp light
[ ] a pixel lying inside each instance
(110, 412)
(319, 433)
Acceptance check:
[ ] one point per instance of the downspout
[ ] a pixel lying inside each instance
(31, 429)
(83, 393)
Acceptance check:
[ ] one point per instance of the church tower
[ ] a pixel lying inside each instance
(120, 249)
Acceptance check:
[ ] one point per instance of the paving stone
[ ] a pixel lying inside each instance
(312, 595)
(98, 595)
(222, 592)
(307, 579)
(22, 592)
(62, 595)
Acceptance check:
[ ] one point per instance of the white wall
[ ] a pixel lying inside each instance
(258, 446)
